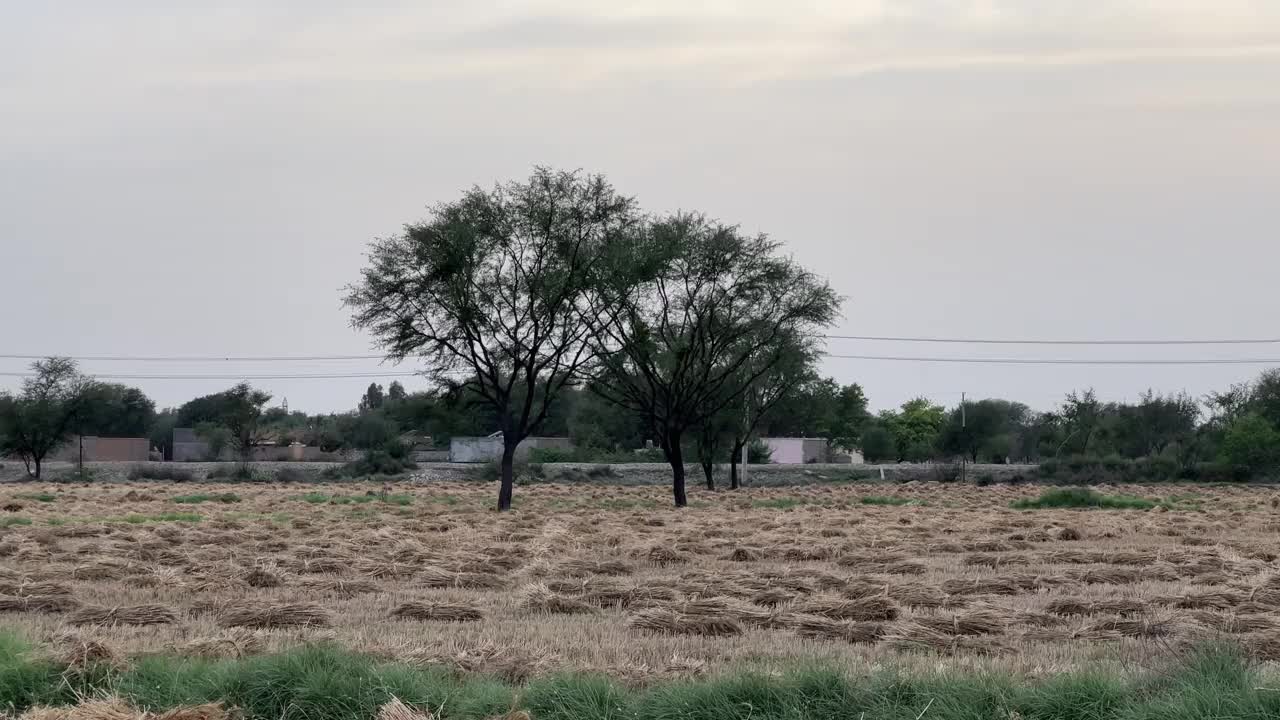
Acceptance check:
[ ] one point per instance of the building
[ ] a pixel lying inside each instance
(489, 449)
(796, 451)
(105, 449)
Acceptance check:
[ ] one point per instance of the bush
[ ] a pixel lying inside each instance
(758, 453)
(555, 455)
(1081, 497)
(293, 475)
(170, 473)
(1251, 442)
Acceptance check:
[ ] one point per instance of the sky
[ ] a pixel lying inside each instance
(183, 179)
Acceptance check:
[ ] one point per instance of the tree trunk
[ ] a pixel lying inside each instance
(734, 482)
(38, 461)
(676, 458)
(708, 468)
(508, 475)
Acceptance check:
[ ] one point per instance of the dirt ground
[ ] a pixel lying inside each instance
(610, 579)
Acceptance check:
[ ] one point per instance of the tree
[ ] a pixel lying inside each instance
(372, 398)
(1080, 415)
(161, 432)
(983, 428)
(793, 360)
(1253, 443)
(42, 416)
(915, 428)
(878, 445)
(687, 304)
(242, 412)
(216, 436)
(114, 410)
(395, 392)
(494, 285)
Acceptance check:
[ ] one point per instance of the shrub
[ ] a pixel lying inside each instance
(170, 473)
(1081, 497)
(555, 455)
(758, 453)
(293, 475)
(1251, 442)
(201, 498)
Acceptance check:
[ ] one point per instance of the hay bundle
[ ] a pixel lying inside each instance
(208, 711)
(999, 585)
(745, 554)
(838, 608)
(667, 619)
(340, 587)
(1234, 623)
(262, 578)
(1215, 599)
(1079, 606)
(438, 612)
(663, 556)
(1147, 626)
(134, 615)
(81, 653)
(104, 709)
(434, 577)
(994, 561)
(23, 588)
(814, 627)
(772, 597)
(98, 571)
(916, 595)
(318, 565)
(607, 595)
(1106, 575)
(541, 599)
(808, 553)
(1068, 534)
(236, 643)
(581, 566)
(273, 615)
(980, 621)
(394, 709)
(38, 603)
(1163, 572)
(385, 570)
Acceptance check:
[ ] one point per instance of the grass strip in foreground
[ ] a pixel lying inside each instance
(325, 683)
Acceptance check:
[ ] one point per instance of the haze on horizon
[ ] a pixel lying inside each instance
(195, 181)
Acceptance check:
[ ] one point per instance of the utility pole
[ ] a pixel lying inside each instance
(964, 459)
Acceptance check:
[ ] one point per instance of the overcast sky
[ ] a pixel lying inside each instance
(204, 181)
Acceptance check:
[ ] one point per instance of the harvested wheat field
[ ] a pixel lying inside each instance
(610, 579)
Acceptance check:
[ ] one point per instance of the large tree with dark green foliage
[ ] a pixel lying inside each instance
(492, 287)
(42, 416)
(985, 429)
(114, 410)
(685, 307)
(915, 428)
(242, 412)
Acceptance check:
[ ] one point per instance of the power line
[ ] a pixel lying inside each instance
(195, 358)
(1058, 361)
(991, 341)
(315, 376)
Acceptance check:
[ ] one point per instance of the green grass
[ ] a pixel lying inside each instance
(202, 498)
(38, 497)
(325, 683)
(1082, 498)
(889, 500)
(6, 522)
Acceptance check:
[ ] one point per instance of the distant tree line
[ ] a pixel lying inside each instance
(556, 306)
